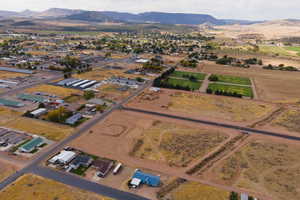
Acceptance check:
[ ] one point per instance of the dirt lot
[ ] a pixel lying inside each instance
(194, 191)
(30, 187)
(54, 90)
(203, 106)
(6, 170)
(267, 166)
(119, 135)
(49, 130)
(113, 92)
(271, 85)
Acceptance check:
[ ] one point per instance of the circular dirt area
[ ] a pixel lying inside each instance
(114, 130)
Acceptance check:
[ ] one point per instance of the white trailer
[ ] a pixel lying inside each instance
(117, 168)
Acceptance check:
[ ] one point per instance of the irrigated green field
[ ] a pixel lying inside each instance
(185, 75)
(234, 79)
(244, 91)
(194, 85)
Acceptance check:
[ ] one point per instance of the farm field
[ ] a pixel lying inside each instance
(194, 85)
(193, 190)
(54, 90)
(49, 130)
(203, 106)
(266, 166)
(185, 75)
(176, 144)
(295, 49)
(281, 51)
(30, 187)
(274, 86)
(244, 91)
(233, 79)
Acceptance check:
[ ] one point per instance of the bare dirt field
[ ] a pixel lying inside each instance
(271, 85)
(202, 106)
(49, 130)
(151, 142)
(53, 90)
(193, 191)
(30, 187)
(267, 166)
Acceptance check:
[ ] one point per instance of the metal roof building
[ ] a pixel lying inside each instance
(63, 157)
(145, 178)
(72, 120)
(8, 69)
(33, 98)
(10, 103)
(32, 145)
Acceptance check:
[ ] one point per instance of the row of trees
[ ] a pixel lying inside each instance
(281, 67)
(224, 93)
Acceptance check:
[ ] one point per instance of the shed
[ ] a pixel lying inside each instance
(145, 178)
(32, 145)
(38, 112)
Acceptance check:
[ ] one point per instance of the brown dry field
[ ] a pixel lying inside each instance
(54, 90)
(203, 106)
(32, 187)
(6, 170)
(111, 92)
(271, 85)
(117, 136)
(266, 166)
(7, 75)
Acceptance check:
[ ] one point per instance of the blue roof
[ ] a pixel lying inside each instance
(148, 179)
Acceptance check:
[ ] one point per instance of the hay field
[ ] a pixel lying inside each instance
(271, 85)
(176, 144)
(49, 130)
(264, 166)
(55, 90)
(194, 191)
(30, 187)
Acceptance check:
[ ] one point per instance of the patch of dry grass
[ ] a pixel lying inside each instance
(231, 109)
(49, 130)
(55, 90)
(6, 170)
(196, 191)
(7, 115)
(8, 75)
(176, 144)
(263, 166)
(290, 119)
(30, 187)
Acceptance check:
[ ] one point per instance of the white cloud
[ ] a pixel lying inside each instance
(235, 9)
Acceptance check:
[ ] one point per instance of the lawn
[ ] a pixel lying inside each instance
(30, 187)
(296, 49)
(245, 91)
(49, 130)
(234, 79)
(194, 85)
(184, 74)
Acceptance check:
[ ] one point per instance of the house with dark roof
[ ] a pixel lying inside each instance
(81, 160)
(103, 167)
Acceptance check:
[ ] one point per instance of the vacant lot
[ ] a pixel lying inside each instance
(176, 144)
(7, 115)
(6, 170)
(30, 187)
(289, 119)
(264, 166)
(49, 130)
(194, 85)
(270, 85)
(8, 75)
(204, 106)
(244, 91)
(197, 191)
(186, 75)
(233, 79)
(54, 90)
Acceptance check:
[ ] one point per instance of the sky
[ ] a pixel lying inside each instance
(225, 9)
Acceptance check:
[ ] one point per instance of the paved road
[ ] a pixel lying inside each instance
(81, 183)
(240, 128)
(33, 166)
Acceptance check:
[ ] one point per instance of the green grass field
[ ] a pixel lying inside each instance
(281, 51)
(182, 74)
(245, 91)
(234, 79)
(193, 85)
(296, 49)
